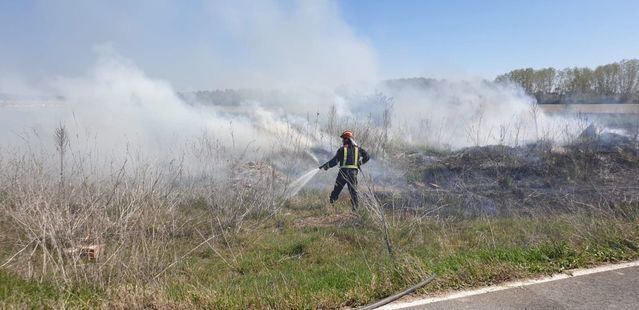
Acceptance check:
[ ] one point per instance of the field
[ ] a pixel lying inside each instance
(141, 237)
(167, 154)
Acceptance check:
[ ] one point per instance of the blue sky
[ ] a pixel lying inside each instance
(490, 37)
(199, 43)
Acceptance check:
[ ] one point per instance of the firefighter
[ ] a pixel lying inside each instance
(349, 157)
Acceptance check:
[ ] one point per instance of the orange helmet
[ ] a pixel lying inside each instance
(346, 134)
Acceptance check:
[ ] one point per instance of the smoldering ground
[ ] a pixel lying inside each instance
(325, 75)
(116, 109)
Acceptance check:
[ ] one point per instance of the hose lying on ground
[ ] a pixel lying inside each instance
(399, 295)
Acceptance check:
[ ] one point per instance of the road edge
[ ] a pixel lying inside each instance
(511, 284)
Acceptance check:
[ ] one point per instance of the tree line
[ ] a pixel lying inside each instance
(616, 82)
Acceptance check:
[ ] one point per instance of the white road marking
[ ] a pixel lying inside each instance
(509, 285)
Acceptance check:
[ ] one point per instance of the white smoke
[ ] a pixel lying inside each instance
(213, 44)
(306, 51)
(116, 106)
(308, 46)
(460, 113)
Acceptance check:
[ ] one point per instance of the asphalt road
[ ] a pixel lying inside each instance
(613, 289)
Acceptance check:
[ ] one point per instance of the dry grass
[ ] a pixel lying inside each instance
(74, 224)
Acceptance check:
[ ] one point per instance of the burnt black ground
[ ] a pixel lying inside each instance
(540, 178)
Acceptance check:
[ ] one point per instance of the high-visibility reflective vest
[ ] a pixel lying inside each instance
(355, 164)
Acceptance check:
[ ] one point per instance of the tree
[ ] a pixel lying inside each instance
(618, 81)
(544, 83)
(522, 77)
(606, 80)
(628, 78)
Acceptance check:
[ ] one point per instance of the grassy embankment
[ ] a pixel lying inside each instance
(301, 259)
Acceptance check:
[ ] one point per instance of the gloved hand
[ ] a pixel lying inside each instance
(324, 166)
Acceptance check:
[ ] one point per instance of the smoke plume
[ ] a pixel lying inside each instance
(305, 53)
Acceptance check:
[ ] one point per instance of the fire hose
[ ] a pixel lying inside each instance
(400, 294)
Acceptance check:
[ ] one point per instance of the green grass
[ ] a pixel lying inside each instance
(17, 291)
(273, 264)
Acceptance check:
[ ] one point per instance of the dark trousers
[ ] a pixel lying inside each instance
(346, 177)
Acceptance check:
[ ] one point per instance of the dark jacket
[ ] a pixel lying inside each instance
(350, 157)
